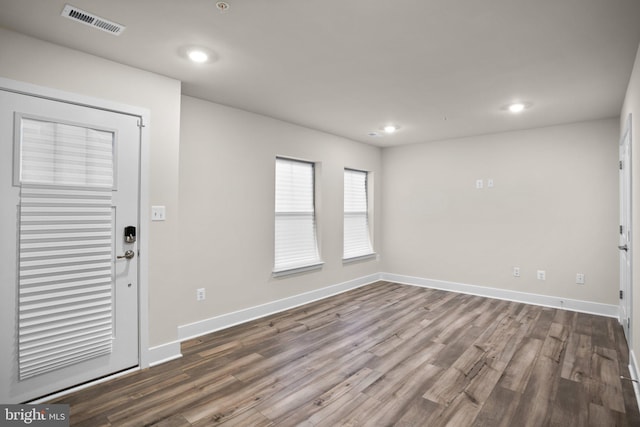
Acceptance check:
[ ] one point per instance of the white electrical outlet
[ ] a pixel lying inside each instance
(542, 275)
(516, 271)
(200, 295)
(490, 183)
(580, 278)
(479, 184)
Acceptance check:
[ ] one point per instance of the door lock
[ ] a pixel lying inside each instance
(127, 255)
(623, 248)
(130, 234)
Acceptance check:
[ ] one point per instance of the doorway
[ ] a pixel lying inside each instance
(625, 243)
(70, 186)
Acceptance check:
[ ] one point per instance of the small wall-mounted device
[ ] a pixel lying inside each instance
(130, 234)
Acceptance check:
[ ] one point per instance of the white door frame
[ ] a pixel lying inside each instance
(626, 195)
(143, 236)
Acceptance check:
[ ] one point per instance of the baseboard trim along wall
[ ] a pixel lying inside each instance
(224, 321)
(634, 371)
(163, 353)
(606, 310)
(169, 351)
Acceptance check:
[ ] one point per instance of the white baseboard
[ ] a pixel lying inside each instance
(169, 351)
(223, 321)
(163, 353)
(634, 371)
(607, 310)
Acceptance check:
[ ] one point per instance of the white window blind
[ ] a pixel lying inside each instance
(65, 307)
(357, 240)
(61, 154)
(295, 222)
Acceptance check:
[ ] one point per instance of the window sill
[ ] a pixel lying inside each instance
(365, 257)
(296, 270)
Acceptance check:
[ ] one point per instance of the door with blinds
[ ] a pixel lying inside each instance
(69, 185)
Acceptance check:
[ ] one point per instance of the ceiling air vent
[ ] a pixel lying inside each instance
(92, 20)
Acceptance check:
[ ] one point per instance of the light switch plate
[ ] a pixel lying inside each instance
(158, 213)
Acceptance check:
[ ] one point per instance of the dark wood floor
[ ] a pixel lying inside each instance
(384, 354)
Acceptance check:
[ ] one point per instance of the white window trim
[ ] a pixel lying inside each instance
(296, 270)
(364, 257)
(315, 264)
(368, 255)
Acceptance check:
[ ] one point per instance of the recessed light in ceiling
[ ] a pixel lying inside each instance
(389, 129)
(517, 107)
(198, 56)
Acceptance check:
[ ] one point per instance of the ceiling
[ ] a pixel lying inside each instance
(437, 68)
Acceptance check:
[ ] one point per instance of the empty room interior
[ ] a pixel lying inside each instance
(274, 213)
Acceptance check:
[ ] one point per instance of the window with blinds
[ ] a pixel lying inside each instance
(357, 240)
(65, 302)
(295, 220)
(53, 153)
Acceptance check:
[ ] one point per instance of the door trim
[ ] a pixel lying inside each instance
(143, 115)
(628, 299)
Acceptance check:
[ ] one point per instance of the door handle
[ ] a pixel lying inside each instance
(128, 255)
(623, 248)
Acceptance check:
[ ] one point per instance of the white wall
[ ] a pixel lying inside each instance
(34, 61)
(554, 207)
(632, 106)
(227, 174)
(224, 241)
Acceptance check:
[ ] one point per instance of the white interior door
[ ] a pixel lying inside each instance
(69, 185)
(625, 245)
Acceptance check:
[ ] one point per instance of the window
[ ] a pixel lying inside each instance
(357, 241)
(296, 246)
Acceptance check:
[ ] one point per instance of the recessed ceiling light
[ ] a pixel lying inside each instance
(516, 107)
(198, 56)
(390, 128)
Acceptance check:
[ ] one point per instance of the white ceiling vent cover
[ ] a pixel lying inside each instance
(92, 20)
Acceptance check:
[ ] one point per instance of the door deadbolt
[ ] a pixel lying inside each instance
(130, 234)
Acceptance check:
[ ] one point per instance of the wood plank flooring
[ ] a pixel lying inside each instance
(384, 354)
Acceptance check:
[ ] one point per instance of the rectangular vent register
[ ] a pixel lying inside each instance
(92, 20)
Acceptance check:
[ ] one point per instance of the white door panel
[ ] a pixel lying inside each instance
(69, 185)
(625, 243)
